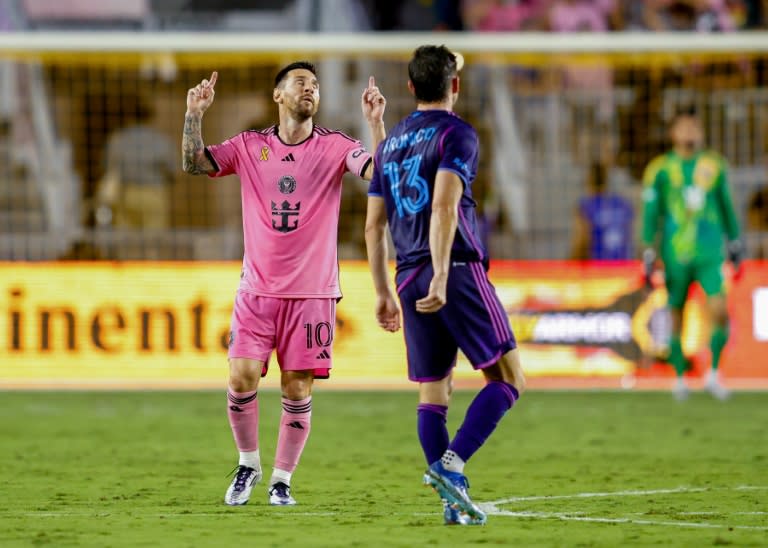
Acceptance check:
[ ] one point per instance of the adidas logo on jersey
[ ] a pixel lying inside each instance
(324, 355)
(288, 158)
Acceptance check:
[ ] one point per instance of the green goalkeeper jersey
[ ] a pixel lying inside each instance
(689, 201)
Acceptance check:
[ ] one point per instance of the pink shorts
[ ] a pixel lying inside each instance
(301, 330)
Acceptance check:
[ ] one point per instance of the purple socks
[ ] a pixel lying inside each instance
(484, 413)
(433, 433)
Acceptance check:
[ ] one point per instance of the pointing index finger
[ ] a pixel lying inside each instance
(212, 81)
(371, 82)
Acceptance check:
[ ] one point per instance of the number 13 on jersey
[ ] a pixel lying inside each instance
(409, 189)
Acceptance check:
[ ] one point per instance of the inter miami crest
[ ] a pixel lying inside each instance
(287, 215)
(286, 184)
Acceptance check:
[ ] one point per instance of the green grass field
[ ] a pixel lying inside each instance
(563, 469)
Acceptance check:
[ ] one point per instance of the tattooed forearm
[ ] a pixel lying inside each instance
(194, 160)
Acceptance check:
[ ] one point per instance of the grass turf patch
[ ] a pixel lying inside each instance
(563, 469)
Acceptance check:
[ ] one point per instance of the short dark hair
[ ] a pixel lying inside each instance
(293, 66)
(685, 111)
(430, 71)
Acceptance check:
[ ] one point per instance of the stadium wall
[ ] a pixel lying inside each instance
(166, 325)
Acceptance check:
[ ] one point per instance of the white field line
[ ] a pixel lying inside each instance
(630, 493)
(492, 509)
(630, 521)
(719, 514)
(495, 512)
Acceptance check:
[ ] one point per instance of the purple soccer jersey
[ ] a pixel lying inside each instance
(423, 143)
(473, 319)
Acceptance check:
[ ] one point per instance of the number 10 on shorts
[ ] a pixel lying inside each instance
(319, 334)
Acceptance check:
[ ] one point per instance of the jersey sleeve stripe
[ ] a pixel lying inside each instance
(324, 132)
(211, 159)
(459, 173)
(656, 165)
(440, 147)
(266, 131)
(365, 166)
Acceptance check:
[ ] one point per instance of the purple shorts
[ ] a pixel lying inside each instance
(473, 320)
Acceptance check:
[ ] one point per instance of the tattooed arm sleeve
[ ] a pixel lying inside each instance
(194, 159)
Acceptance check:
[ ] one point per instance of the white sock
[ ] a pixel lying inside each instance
(452, 462)
(712, 375)
(280, 475)
(250, 459)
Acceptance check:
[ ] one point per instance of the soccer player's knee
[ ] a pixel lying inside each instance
(244, 375)
(296, 387)
(494, 373)
(436, 392)
(509, 370)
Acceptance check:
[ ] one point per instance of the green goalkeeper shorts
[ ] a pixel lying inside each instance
(679, 277)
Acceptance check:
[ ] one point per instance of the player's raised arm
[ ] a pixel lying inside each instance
(199, 98)
(373, 104)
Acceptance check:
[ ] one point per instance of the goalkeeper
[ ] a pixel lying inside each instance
(687, 202)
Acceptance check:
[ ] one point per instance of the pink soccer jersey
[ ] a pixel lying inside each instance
(291, 196)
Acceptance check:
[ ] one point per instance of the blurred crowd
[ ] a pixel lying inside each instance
(575, 15)
(407, 15)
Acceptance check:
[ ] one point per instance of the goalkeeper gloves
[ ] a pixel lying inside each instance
(649, 266)
(736, 256)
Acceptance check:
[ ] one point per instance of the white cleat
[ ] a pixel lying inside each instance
(454, 516)
(242, 484)
(713, 386)
(280, 495)
(680, 390)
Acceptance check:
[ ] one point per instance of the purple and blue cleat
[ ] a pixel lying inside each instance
(452, 488)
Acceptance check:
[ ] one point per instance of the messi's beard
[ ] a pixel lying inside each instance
(304, 111)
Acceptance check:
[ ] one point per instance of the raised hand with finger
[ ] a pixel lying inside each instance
(200, 97)
(373, 102)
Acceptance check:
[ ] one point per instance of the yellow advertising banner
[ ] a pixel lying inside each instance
(166, 325)
(156, 325)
